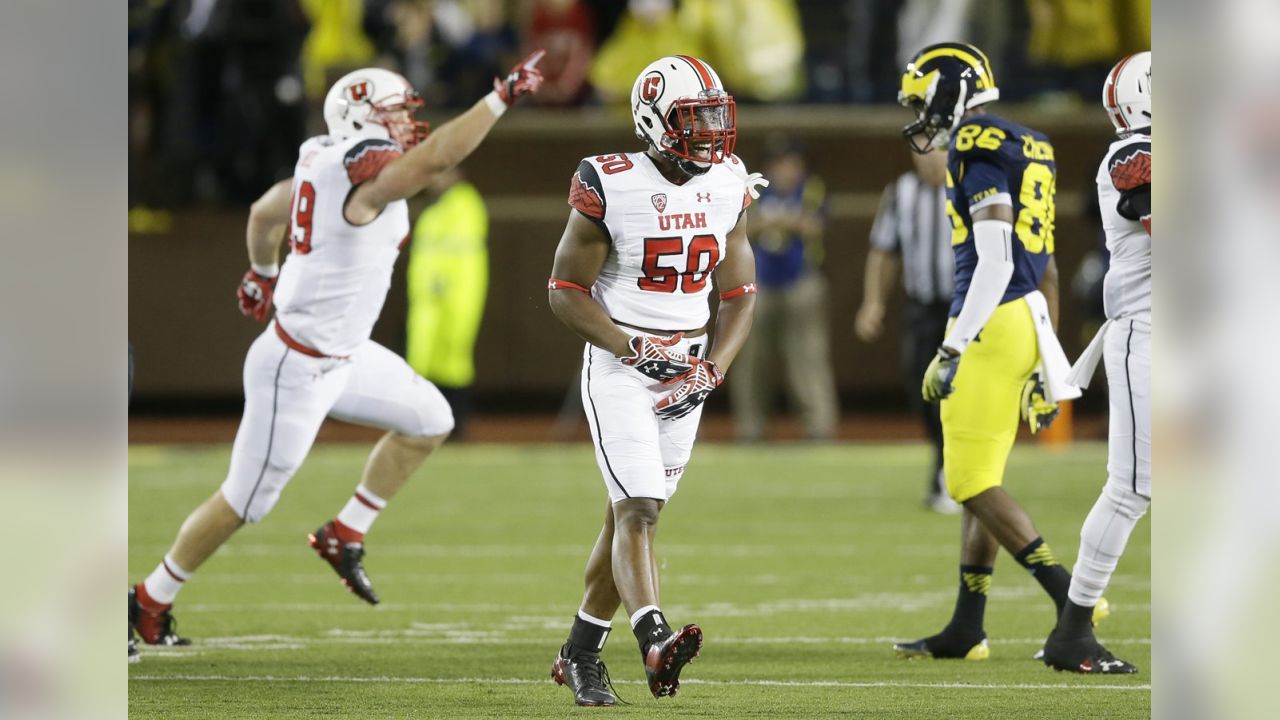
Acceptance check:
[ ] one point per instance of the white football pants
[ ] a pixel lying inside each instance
(287, 396)
(639, 454)
(1127, 494)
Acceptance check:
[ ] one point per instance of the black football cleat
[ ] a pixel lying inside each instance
(134, 655)
(587, 677)
(154, 627)
(947, 645)
(665, 658)
(1084, 655)
(345, 560)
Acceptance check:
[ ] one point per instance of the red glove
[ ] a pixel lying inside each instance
(524, 79)
(694, 388)
(653, 359)
(254, 295)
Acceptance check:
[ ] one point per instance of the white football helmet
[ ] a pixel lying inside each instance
(374, 103)
(681, 109)
(1127, 94)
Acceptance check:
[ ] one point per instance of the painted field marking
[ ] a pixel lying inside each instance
(710, 683)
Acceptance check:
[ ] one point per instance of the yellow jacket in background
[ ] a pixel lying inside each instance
(448, 280)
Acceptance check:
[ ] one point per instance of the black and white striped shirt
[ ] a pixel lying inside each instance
(912, 222)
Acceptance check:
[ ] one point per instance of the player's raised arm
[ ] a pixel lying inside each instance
(735, 278)
(268, 217)
(446, 146)
(579, 257)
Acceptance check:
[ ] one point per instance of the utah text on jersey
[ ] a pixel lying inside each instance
(665, 239)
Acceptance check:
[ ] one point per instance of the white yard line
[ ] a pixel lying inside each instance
(712, 683)
(901, 602)
(463, 636)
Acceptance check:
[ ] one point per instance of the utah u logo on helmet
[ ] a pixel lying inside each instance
(652, 88)
(939, 84)
(681, 109)
(358, 91)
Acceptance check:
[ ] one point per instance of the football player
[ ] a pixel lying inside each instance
(346, 220)
(1124, 195)
(1000, 198)
(632, 275)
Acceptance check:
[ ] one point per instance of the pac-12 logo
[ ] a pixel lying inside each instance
(358, 91)
(659, 202)
(651, 88)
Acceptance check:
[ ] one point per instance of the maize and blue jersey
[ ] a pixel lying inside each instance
(992, 161)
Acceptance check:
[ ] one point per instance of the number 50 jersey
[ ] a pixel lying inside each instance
(665, 239)
(994, 161)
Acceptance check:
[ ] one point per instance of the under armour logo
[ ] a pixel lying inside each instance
(704, 197)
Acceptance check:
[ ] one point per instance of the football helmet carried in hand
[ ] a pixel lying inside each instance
(1127, 94)
(375, 103)
(939, 84)
(681, 109)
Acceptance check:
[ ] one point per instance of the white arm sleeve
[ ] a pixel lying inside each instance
(991, 238)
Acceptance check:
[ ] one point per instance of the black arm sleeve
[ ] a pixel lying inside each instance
(1135, 204)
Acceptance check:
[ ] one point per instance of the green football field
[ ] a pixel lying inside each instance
(802, 564)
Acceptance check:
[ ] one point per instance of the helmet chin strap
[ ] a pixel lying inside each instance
(689, 167)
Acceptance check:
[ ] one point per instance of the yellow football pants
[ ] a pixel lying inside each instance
(980, 417)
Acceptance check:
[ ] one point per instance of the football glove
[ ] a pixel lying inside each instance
(755, 181)
(1036, 408)
(692, 391)
(254, 295)
(524, 79)
(653, 357)
(937, 378)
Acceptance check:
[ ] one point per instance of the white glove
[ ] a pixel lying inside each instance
(754, 182)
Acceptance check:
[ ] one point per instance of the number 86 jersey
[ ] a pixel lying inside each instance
(994, 161)
(665, 239)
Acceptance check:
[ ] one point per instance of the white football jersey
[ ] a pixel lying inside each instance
(1127, 286)
(335, 279)
(665, 239)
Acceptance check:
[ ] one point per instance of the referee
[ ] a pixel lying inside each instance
(912, 234)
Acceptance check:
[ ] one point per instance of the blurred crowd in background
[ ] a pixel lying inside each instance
(221, 92)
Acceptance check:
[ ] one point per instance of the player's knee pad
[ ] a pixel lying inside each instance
(435, 419)
(253, 501)
(1126, 501)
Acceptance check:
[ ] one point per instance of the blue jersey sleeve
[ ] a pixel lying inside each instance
(992, 158)
(981, 181)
